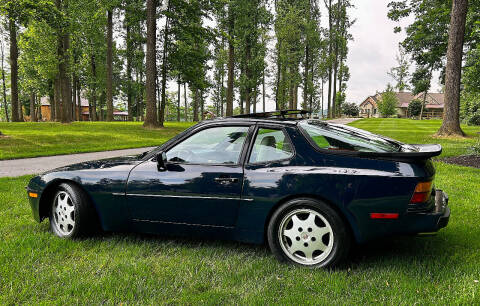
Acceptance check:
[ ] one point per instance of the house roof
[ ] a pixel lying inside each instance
(432, 100)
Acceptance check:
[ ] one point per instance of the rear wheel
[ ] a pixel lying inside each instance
(71, 213)
(307, 232)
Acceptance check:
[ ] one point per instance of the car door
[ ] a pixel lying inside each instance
(201, 184)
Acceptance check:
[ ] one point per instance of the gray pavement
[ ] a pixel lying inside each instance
(343, 120)
(24, 166)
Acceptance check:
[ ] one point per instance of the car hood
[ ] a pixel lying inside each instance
(117, 163)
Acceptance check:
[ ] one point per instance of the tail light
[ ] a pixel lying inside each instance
(422, 192)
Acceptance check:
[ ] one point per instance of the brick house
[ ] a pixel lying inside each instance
(434, 103)
(84, 110)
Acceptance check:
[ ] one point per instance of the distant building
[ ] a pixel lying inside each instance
(118, 115)
(434, 103)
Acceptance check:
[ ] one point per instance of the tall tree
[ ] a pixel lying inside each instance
(231, 60)
(400, 72)
(16, 107)
(110, 64)
(451, 119)
(151, 66)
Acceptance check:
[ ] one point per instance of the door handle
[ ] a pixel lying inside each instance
(226, 180)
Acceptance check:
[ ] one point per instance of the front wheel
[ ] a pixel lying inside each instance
(309, 233)
(71, 213)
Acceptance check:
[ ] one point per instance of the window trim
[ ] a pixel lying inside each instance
(245, 145)
(254, 138)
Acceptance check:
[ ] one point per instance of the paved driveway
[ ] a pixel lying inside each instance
(24, 166)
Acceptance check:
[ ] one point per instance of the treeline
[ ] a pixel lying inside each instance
(223, 55)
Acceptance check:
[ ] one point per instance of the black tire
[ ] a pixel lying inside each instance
(338, 248)
(83, 214)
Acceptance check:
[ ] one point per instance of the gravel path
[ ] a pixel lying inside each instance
(24, 166)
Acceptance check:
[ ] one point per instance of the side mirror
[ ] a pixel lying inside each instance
(161, 161)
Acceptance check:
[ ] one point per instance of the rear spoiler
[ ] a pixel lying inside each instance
(425, 151)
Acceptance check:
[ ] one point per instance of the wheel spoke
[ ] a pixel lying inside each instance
(319, 245)
(296, 222)
(310, 221)
(320, 231)
(291, 233)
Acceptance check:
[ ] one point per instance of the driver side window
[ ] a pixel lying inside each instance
(217, 145)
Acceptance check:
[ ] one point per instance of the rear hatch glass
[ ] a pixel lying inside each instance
(345, 138)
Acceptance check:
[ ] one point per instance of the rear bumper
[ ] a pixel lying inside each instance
(409, 223)
(429, 221)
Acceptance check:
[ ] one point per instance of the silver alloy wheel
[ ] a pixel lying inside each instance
(305, 236)
(63, 212)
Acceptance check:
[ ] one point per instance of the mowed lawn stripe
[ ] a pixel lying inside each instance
(420, 131)
(28, 139)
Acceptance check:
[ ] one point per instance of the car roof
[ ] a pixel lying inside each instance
(290, 121)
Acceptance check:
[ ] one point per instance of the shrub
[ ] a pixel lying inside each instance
(350, 109)
(470, 108)
(475, 149)
(414, 108)
(387, 106)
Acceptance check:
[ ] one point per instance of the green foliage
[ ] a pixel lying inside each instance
(339, 101)
(475, 149)
(387, 106)
(350, 109)
(414, 108)
(400, 73)
(470, 108)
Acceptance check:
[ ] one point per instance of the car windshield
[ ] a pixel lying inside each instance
(345, 138)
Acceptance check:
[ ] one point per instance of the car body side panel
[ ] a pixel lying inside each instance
(103, 180)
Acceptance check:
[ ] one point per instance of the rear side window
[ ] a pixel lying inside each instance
(270, 145)
(336, 137)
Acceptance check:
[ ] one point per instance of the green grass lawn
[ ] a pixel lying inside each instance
(36, 267)
(29, 139)
(420, 131)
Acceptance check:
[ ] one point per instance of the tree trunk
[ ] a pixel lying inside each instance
(79, 101)
(305, 80)
(186, 100)
(64, 80)
(451, 118)
(248, 74)
(166, 41)
(202, 106)
(110, 65)
(231, 63)
(195, 104)
(33, 115)
(93, 100)
(129, 72)
(4, 86)
(178, 100)
(57, 89)
(16, 108)
(263, 91)
(151, 66)
(74, 99)
(329, 97)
